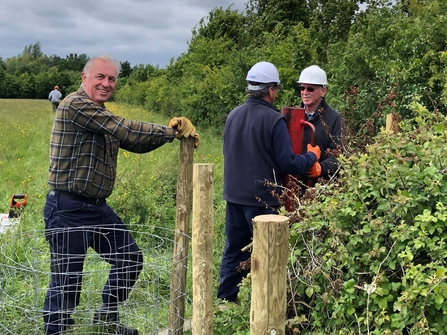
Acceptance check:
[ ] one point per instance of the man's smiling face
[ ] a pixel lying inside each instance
(100, 81)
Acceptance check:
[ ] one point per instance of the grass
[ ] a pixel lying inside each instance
(144, 196)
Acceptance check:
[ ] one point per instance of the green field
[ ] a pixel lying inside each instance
(144, 197)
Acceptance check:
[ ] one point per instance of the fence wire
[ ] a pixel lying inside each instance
(25, 275)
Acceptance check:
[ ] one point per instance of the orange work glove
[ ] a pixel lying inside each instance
(314, 171)
(185, 129)
(315, 149)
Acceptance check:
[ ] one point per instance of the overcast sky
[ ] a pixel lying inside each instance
(138, 31)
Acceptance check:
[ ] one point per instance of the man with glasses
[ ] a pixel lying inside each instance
(256, 149)
(327, 121)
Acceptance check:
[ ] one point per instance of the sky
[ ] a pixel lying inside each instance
(137, 31)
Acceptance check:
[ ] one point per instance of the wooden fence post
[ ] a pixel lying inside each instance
(392, 122)
(268, 275)
(180, 261)
(202, 250)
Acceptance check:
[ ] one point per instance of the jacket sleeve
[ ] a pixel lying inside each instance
(287, 160)
(135, 136)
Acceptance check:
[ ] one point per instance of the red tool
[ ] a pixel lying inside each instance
(16, 204)
(295, 119)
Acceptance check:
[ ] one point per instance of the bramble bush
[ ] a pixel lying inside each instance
(368, 253)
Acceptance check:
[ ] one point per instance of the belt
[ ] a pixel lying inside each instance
(78, 197)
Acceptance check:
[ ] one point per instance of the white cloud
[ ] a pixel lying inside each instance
(138, 31)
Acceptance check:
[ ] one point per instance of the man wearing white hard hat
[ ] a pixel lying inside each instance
(327, 121)
(256, 148)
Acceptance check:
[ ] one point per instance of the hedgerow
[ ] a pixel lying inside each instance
(368, 250)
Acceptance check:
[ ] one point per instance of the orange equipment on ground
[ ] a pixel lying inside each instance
(15, 204)
(295, 119)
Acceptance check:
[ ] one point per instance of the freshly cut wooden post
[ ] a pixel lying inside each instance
(202, 250)
(180, 261)
(268, 275)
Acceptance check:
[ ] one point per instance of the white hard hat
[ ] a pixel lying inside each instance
(263, 72)
(313, 75)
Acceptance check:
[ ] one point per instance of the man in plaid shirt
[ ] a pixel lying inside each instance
(84, 145)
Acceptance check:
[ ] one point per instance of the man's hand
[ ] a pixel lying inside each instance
(315, 149)
(184, 129)
(314, 171)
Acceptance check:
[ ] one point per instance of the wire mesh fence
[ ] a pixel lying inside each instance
(25, 275)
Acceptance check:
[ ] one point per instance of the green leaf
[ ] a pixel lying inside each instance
(392, 265)
(439, 299)
(383, 303)
(309, 291)
(440, 128)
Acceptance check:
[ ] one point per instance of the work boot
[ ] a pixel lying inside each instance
(109, 320)
(57, 324)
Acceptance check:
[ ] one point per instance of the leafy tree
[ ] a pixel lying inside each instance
(392, 56)
(126, 70)
(34, 50)
(330, 22)
(27, 86)
(142, 73)
(43, 85)
(53, 60)
(10, 86)
(73, 62)
(207, 89)
(24, 64)
(2, 81)
(2, 64)
(222, 23)
(264, 15)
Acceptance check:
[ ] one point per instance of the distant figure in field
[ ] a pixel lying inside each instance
(55, 97)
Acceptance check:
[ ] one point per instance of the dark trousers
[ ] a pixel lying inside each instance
(239, 233)
(54, 105)
(71, 227)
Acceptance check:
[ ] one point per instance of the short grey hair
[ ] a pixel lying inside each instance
(105, 58)
(260, 93)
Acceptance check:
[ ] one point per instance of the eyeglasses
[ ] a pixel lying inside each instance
(309, 89)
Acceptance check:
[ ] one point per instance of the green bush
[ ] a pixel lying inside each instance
(369, 252)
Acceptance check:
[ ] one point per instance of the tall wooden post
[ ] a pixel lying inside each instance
(392, 122)
(268, 275)
(180, 261)
(202, 250)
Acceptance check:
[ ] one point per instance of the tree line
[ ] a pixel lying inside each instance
(32, 75)
(379, 56)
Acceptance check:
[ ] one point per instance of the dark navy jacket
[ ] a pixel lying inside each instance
(257, 148)
(328, 125)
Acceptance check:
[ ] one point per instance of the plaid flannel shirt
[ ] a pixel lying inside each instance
(84, 145)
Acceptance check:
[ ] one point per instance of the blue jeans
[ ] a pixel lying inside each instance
(71, 227)
(239, 233)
